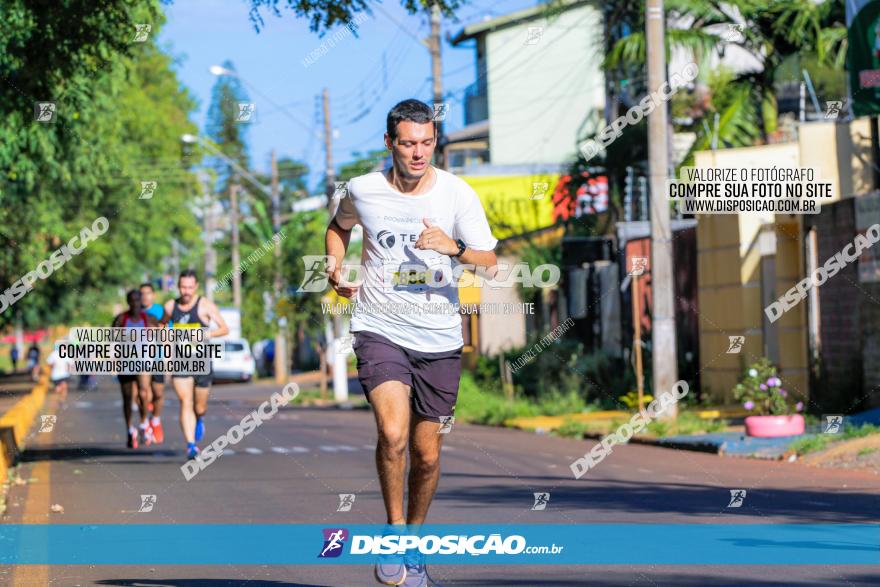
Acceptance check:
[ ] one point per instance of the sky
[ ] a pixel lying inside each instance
(364, 76)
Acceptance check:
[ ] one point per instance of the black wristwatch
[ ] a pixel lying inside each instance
(461, 248)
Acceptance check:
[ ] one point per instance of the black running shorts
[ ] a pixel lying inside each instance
(432, 377)
(201, 380)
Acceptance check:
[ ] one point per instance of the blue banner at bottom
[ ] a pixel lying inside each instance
(487, 544)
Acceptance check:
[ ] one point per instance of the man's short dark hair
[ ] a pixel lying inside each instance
(411, 110)
(188, 273)
(147, 284)
(132, 293)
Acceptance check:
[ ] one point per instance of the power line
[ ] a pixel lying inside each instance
(400, 26)
(365, 109)
(374, 81)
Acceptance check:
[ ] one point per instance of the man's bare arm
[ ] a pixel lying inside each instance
(166, 317)
(486, 262)
(335, 244)
(216, 316)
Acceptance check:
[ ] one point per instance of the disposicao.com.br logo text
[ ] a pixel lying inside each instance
(449, 544)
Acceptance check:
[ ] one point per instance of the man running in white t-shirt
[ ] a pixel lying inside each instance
(61, 368)
(416, 220)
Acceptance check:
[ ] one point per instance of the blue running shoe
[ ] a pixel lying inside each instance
(192, 451)
(200, 428)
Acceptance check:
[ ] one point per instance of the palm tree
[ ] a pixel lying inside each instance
(769, 30)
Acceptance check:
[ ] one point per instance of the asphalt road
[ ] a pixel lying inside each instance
(292, 468)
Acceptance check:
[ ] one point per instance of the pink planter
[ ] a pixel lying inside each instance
(770, 426)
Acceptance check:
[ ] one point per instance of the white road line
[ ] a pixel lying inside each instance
(253, 451)
(346, 448)
(299, 449)
(369, 446)
(328, 448)
(88, 404)
(280, 450)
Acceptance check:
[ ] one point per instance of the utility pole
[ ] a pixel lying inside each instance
(328, 152)
(637, 339)
(437, 78)
(281, 354)
(210, 228)
(338, 360)
(236, 256)
(663, 343)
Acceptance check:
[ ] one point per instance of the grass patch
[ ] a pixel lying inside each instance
(571, 429)
(819, 442)
(478, 406)
(866, 451)
(859, 432)
(811, 444)
(309, 396)
(687, 423)
(574, 429)
(660, 428)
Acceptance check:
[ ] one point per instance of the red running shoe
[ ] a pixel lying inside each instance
(158, 434)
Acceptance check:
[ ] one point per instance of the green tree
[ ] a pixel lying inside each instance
(361, 164)
(325, 15)
(224, 127)
(119, 113)
(292, 176)
(770, 31)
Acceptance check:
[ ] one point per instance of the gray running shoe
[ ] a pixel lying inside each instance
(416, 570)
(391, 569)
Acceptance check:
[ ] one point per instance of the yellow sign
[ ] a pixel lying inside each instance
(515, 204)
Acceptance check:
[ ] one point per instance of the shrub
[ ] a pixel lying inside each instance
(482, 404)
(761, 391)
(563, 369)
(631, 400)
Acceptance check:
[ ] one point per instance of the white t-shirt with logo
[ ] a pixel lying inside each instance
(405, 289)
(60, 367)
